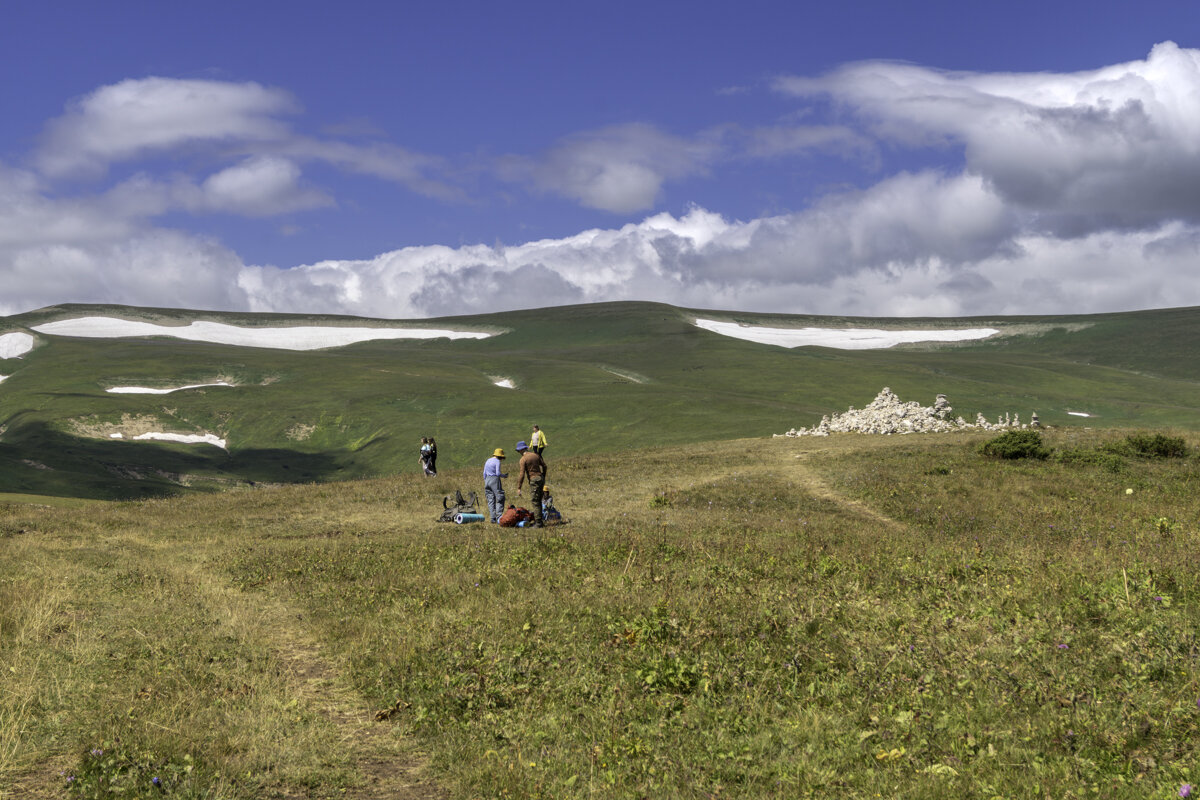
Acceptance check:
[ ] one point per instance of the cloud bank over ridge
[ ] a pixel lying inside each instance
(1051, 193)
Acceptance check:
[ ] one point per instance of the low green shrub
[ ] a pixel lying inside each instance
(1154, 445)
(1104, 459)
(1015, 444)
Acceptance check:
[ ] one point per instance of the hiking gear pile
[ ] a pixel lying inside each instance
(455, 504)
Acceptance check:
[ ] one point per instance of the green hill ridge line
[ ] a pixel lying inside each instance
(599, 378)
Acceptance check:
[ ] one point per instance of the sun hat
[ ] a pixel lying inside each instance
(521, 446)
(499, 453)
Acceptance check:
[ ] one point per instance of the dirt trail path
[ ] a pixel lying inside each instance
(798, 468)
(388, 766)
(391, 768)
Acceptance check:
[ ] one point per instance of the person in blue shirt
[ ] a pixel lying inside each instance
(493, 488)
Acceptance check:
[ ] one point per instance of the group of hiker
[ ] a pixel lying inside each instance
(531, 469)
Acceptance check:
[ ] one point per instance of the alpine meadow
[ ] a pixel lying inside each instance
(263, 604)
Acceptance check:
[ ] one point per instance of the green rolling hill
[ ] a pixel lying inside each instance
(598, 378)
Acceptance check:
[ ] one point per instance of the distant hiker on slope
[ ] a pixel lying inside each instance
(537, 440)
(432, 456)
(493, 487)
(425, 456)
(533, 469)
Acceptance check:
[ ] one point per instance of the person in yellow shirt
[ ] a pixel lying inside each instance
(537, 440)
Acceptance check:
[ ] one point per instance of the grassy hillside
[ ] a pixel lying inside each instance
(850, 617)
(598, 378)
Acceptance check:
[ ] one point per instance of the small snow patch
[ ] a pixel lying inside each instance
(1079, 413)
(504, 383)
(3, 378)
(144, 390)
(299, 337)
(840, 338)
(15, 345)
(185, 438)
(629, 376)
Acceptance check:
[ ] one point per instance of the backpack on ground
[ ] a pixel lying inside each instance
(455, 504)
(514, 516)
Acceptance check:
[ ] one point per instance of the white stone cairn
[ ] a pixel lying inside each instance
(887, 414)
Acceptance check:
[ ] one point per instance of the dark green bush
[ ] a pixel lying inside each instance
(1105, 459)
(1015, 444)
(1155, 445)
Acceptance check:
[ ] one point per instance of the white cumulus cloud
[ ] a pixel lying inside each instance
(259, 186)
(1053, 193)
(127, 119)
(1114, 147)
(621, 168)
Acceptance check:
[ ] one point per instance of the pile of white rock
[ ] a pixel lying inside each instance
(888, 415)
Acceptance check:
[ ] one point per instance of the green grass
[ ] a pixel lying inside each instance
(850, 616)
(358, 411)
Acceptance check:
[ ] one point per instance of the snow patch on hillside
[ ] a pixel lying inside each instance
(299, 337)
(145, 390)
(504, 383)
(184, 438)
(15, 345)
(629, 376)
(840, 338)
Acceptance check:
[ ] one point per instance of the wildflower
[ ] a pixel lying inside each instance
(97, 752)
(1185, 790)
(1129, 491)
(157, 781)
(1064, 647)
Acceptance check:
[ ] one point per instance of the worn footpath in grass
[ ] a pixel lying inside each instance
(850, 616)
(132, 669)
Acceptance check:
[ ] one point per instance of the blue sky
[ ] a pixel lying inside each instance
(410, 160)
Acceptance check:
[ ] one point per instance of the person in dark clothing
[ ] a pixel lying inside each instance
(532, 469)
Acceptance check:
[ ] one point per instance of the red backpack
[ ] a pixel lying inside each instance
(513, 516)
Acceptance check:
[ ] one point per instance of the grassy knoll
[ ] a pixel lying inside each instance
(851, 616)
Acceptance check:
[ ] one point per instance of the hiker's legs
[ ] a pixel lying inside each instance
(535, 497)
(493, 490)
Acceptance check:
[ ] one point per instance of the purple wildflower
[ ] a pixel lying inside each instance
(1185, 790)
(157, 781)
(1064, 647)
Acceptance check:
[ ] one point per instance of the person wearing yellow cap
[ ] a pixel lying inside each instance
(493, 488)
